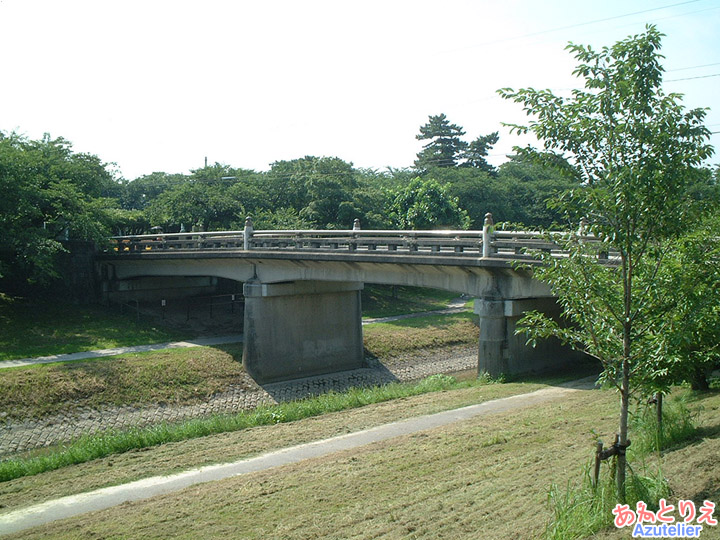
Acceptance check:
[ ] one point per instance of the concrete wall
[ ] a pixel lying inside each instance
(299, 329)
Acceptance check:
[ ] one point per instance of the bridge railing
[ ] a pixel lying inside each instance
(478, 243)
(467, 243)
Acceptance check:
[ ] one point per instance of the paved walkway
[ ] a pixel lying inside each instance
(100, 353)
(151, 487)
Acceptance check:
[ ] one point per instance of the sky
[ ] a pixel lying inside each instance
(156, 85)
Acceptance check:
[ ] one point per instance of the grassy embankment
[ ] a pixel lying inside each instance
(31, 329)
(182, 376)
(185, 376)
(386, 301)
(483, 478)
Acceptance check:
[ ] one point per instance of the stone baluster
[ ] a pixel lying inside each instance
(487, 235)
(352, 245)
(247, 233)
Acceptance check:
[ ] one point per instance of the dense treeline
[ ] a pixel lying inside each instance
(50, 194)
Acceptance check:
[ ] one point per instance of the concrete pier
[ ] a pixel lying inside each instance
(503, 352)
(301, 328)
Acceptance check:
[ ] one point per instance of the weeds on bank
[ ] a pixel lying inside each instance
(101, 445)
(580, 511)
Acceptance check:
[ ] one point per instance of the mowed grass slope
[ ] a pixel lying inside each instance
(181, 376)
(157, 377)
(483, 478)
(403, 338)
(39, 328)
(386, 300)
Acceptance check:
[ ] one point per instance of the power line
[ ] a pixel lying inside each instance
(576, 25)
(694, 67)
(691, 78)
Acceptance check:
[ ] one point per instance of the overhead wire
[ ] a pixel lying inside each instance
(586, 23)
(691, 78)
(575, 25)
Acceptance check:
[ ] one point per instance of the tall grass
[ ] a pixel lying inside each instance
(678, 425)
(103, 444)
(581, 510)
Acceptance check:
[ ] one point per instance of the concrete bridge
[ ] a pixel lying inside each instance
(302, 287)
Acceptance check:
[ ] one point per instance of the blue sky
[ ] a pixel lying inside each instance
(159, 85)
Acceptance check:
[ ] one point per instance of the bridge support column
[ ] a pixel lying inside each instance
(302, 328)
(492, 350)
(501, 351)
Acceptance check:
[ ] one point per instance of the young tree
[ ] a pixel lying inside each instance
(635, 149)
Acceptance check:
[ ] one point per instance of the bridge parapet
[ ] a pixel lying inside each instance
(486, 243)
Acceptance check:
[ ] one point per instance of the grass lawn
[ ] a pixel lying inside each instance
(387, 301)
(487, 477)
(397, 338)
(30, 329)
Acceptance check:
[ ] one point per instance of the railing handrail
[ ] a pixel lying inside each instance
(485, 243)
(176, 235)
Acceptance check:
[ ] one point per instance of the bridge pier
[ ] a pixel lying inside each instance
(492, 348)
(301, 328)
(502, 352)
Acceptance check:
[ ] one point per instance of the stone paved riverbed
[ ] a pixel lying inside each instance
(20, 435)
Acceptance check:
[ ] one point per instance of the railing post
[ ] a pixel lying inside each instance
(247, 233)
(487, 235)
(352, 245)
(582, 230)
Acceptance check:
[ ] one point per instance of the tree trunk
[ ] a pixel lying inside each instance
(627, 274)
(659, 412)
(623, 434)
(698, 380)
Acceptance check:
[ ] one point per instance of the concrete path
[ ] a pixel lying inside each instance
(151, 487)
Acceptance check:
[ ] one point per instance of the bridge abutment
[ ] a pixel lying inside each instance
(301, 328)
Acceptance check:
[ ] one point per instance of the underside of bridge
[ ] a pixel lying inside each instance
(303, 317)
